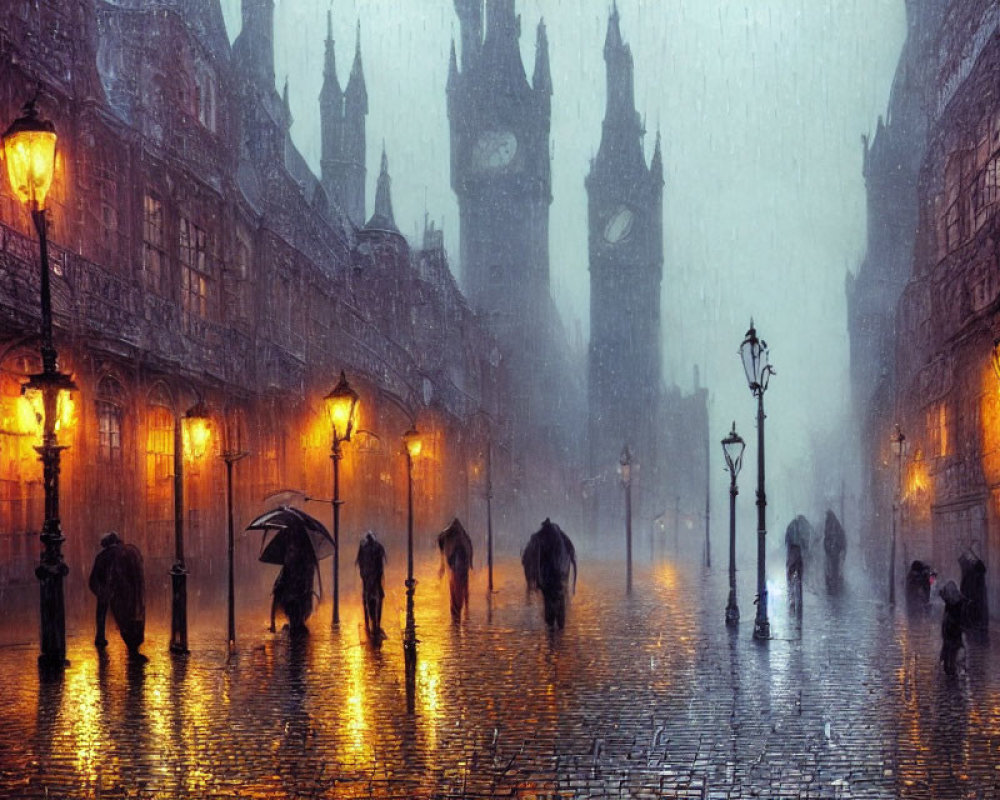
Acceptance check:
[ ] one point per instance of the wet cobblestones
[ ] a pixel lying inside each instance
(638, 698)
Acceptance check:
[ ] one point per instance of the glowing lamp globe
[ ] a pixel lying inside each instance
(342, 408)
(29, 147)
(413, 442)
(49, 394)
(898, 441)
(754, 354)
(197, 428)
(732, 448)
(625, 466)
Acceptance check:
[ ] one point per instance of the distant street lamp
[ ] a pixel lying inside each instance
(754, 353)
(898, 445)
(625, 467)
(412, 446)
(342, 408)
(732, 448)
(231, 453)
(489, 518)
(30, 151)
(191, 439)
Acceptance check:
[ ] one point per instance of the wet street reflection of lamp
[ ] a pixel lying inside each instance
(412, 445)
(30, 151)
(625, 468)
(732, 447)
(341, 407)
(754, 353)
(231, 453)
(898, 444)
(191, 440)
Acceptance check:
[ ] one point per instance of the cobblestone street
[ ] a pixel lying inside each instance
(648, 697)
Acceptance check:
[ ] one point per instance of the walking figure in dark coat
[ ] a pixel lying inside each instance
(797, 536)
(371, 565)
(456, 551)
(835, 548)
(976, 616)
(293, 588)
(118, 582)
(919, 580)
(546, 560)
(951, 626)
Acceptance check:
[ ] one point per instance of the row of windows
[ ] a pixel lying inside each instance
(198, 281)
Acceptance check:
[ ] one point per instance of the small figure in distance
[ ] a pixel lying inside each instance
(919, 580)
(456, 552)
(118, 582)
(546, 560)
(371, 565)
(951, 627)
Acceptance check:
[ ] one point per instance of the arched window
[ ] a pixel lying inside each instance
(159, 471)
(110, 411)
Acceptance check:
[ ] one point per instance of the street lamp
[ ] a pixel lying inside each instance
(412, 446)
(30, 149)
(625, 467)
(342, 408)
(897, 441)
(754, 353)
(732, 448)
(191, 439)
(489, 518)
(232, 452)
(995, 356)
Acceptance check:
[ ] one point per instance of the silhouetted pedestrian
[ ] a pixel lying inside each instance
(951, 626)
(118, 582)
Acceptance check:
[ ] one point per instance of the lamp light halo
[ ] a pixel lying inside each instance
(29, 145)
(342, 407)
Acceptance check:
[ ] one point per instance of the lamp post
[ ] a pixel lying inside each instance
(625, 468)
(30, 149)
(489, 517)
(732, 448)
(190, 438)
(754, 353)
(231, 453)
(412, 446)
(342, 407)
(898, 444)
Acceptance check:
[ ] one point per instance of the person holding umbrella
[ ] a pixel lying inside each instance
(298, 542)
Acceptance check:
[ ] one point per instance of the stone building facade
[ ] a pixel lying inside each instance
(947, 394)
(195, 257)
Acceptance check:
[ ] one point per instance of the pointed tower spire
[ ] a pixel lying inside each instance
(470, 16)
(356, 94)
(452, 68)
(331, 84)
(287, 105)
(613, 39)
(656, 166)
(253, 49)
(383, 218)
(542, 80)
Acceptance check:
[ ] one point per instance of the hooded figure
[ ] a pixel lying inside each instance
(835, 548)
(951, 626)
(456, 551)
(371, 565)
(919, 580)
(976, 616)
(118, 582)
(546, 560)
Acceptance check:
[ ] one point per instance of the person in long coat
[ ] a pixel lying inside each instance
(117, 580)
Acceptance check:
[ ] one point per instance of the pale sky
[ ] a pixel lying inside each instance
(761, 105)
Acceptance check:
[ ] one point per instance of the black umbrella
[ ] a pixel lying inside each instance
(288, 524)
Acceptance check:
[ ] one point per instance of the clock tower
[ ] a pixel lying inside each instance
(626, 270)
(500, 167)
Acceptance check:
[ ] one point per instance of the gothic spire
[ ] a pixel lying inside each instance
(542, 80)
(383, 218)
(331, 84)
(356, 94)
(452, 68)
(656, 166)
(613, 39)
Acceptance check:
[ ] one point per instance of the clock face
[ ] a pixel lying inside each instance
(494, 150)
(619, 225)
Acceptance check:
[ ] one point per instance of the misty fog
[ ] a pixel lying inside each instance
(761, 106)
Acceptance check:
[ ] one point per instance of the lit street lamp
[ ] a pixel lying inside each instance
(342, 408)
(489, 518)
(30, 150)
(753, 352)
(625, 467)
(232, 452)
(412, 445)
(190, 439)
(898, 445)
(732, 448)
